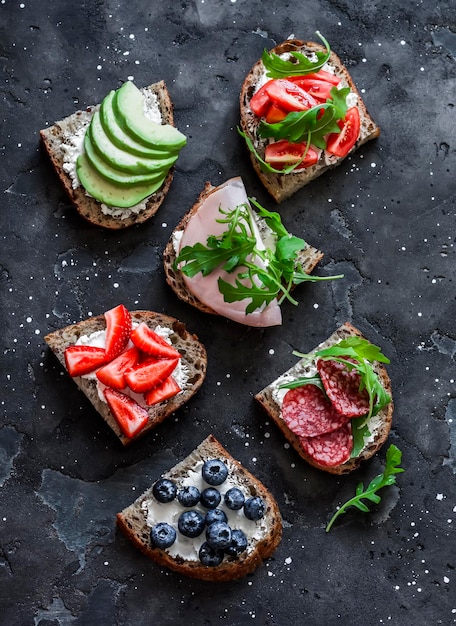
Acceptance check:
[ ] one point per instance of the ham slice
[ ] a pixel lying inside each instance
(204, 223)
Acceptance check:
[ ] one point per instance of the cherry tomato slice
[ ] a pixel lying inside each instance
(329, 77)
(341, 143)
(275, 114)
(281, 153)
(260, 101)
(288, 96)
(319, 89)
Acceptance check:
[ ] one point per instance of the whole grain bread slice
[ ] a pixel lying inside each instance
(133, 520)
(379, 425)
(90, 209)
(282, 186)
(194, 359)
(308, 258)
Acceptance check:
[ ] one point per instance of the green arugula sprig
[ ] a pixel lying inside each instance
(393, 461)
(299, 65)
(266, 273)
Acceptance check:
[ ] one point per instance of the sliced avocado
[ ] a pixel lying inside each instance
(109, 193)
(120, 159)
(116, 176)
(128, 105)
(122, 139)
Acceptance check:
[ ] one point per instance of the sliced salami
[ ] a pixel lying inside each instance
(308, 413)
(330, 449)
(342, 388)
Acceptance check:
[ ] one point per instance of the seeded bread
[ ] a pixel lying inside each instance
(132, 520)
(308, 258)
(282, 186)
(193, 353)
(379, 425)
(53, 138)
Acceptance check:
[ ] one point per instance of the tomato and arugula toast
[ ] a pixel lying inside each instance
(300, 114)
(135, 367)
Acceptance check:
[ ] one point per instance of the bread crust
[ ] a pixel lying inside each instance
(266, 399)
(193, 353)
(90, 209)
(309, 258)
(282, 186)
(132, 522)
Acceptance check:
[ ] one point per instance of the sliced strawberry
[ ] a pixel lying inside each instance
(112, 374)
(80, 360)
(166, 390)
(150, 342)
(118, 329)
(149, 373)
(130, 416)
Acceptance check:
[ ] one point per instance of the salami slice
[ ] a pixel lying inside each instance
(330, 449)
(342, 388)
(308, 413)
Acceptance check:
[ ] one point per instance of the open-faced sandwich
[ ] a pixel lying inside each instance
(207, 517)
(230, 256)
(300, 114)
(116, 159)
(334, 406)
(136, 368)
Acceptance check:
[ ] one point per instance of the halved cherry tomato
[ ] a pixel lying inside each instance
(319, 89)
(341, 143)
(329, 77)
(166, 390)
(281, 153)
(275, 114)
(260, 101)
(288, 96)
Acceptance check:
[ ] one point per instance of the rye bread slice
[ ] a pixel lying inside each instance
(132, 520)
(90, 209)
(193, 353)
(379, 425)
(282, 186)
(308, 258)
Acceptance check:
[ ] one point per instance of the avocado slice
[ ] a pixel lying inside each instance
(120, 159)
(122, 139)
(110, 193)
(116, 176)
(128, 103)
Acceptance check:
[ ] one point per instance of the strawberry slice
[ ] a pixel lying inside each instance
(130, 416)
(149, 373)
(118, 329)
(166, 390)
(150, 342)
(112, 374)
(80, 360)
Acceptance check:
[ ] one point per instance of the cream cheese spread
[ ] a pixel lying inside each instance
(186, 547)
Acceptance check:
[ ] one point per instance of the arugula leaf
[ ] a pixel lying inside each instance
(267, 274)
(276, 67)
(266, 167)
(393, 461)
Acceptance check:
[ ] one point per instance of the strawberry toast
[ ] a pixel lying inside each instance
(135, 367)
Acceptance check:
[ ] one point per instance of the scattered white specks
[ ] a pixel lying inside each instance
(315, 306)
(99, 67)
(116, 285)
(403, 42)
(29, 319)
(373, 165)
(271, 351)
(267, 435)
(288, 560)
(106, 563)
(164, 225)
(22, 5)
(439, 496)
(446, 579)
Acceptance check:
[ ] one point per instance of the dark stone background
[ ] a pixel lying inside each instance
(385, 218)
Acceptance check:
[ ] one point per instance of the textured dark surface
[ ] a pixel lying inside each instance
(385, 218)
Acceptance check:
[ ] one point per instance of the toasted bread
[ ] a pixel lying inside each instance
(194, 359)
(265, 534)
(54, 138)
(379, 425)
(308, 258)
(282, 186)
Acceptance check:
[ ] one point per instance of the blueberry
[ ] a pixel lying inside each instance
(164, 490)
(254, 508)
(188, 496)
(162, 535)
(191, 523)
(234, 499)
(210, 498)
(214, 472)
(218, 535)
(238, 543)
(210, 557)
(215, 515)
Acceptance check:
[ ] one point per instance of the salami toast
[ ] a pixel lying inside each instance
(282, 186)
(183, 555)
(326, 440)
